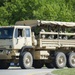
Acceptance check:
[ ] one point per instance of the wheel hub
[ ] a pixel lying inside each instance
(61, 60)
(28, 61)
(73, 60)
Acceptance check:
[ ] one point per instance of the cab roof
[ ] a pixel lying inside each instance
(19, 26)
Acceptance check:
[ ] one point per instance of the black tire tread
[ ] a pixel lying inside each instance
(68, 63)
(21, 61)
(55, 63)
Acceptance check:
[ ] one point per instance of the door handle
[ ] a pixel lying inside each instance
(17, 41)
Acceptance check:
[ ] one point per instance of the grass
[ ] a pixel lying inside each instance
(69, 71)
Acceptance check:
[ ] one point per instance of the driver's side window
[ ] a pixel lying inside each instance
(19, 33)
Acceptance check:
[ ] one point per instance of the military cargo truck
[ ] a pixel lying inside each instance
(34, 43)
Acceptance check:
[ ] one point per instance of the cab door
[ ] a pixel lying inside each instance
(28, 40)
(19, 39)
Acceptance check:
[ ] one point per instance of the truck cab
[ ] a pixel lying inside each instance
(12, 39)
(22, 37)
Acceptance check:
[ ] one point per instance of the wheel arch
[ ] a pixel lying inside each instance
(26, 48)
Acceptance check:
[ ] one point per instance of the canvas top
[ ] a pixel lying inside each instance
(42, 22)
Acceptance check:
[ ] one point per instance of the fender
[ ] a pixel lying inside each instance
(24, 49)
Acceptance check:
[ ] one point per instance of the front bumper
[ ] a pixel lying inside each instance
(5, 54)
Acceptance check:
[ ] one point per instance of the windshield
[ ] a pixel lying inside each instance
(6, 33)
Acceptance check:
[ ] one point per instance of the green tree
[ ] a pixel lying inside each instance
(15, 10)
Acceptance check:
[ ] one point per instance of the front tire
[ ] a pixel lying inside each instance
(26, 60)
(71, 60)
(60, 60)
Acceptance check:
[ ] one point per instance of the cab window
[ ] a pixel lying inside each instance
(27, 31)
(19, 33)
(6, 33)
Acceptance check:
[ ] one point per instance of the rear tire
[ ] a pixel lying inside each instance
(37, 64)
(71, 60)
(4, 64)
(26, 60)
(60, 60)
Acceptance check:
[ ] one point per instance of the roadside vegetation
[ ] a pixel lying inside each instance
(68, 71)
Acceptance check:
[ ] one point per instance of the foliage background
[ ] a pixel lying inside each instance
(15, 10)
